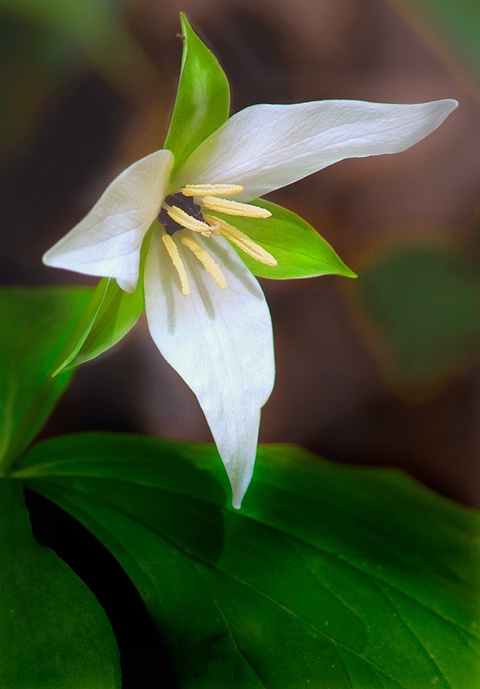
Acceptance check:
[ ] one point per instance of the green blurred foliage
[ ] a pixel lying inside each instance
(454, 26)
(93, 27)
(43, 45)
(424, 302)
(35, 61)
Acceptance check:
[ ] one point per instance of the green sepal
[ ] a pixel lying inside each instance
(203, 98)
(298, 248)
(109, 316)
(53, 632)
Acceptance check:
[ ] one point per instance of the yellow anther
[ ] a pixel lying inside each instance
(234, 208)
(172, 250)
(206, 260)
(186, 220)
(208, 189)
(243, 241)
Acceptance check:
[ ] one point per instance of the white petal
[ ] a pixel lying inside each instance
(107, 241)
(265, 147)
(219, 341)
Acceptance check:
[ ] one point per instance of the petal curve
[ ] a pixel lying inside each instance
(219, 341)
(265, 147)
(107, 241)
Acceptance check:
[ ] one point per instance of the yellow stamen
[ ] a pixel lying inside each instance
(243, 241)
(234, 208)
(172, 250)
(207, 189)
(206, 260)
(186, 220)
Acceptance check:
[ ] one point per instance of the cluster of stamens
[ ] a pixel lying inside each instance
(188, 209)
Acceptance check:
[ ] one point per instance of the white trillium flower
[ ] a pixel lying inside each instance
(206, 311)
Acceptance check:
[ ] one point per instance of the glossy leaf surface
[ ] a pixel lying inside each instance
(328, 576)
(53, 632)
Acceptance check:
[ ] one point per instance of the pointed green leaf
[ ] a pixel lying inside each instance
(53, 632)
(35, 326)
(203, 98)
(329, 576)
(109, 316)
(298, 248)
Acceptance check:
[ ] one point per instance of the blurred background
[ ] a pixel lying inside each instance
(383, 370)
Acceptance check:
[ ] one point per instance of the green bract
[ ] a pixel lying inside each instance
(310, 255)
(167, 230)
(203, 98)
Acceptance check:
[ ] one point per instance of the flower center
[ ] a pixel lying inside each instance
(184, 203)
(185, 210)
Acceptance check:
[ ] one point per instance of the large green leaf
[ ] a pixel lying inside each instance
(329, 576)
(298, 248)
(424, 301)
(109, 316)
(53, 632)
(35, 326)
(203, 98)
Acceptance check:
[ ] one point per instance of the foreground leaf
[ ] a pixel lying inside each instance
(35, 326)
(329, 576)
(53, 632)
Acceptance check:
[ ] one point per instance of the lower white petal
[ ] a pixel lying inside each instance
(265, 147)
(219, 341)
(107, 241)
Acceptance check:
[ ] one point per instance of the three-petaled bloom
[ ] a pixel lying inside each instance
(206, 311)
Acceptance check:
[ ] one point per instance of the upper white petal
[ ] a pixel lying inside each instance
(107, 241)
(219, 341)
(265, 147)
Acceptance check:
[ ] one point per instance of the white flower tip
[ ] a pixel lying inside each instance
(56, 257)
(452, 104)
(127, 284)
(443, 108)
(447, 106)
(237, 501)
(437, 112)
(48, 258)
(239, 487)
